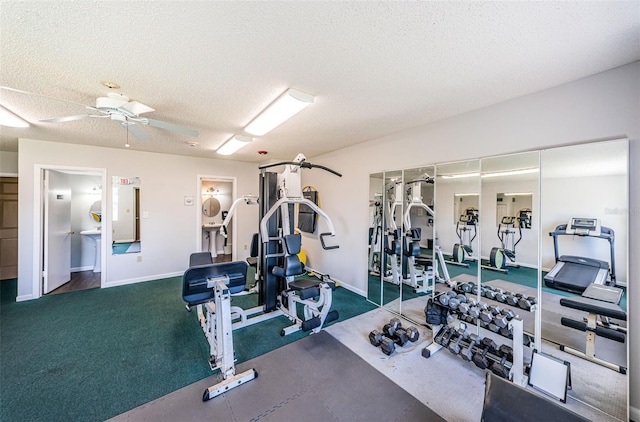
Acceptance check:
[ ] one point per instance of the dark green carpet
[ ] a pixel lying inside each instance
(93, 354)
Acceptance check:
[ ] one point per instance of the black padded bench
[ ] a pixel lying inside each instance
(505, 401)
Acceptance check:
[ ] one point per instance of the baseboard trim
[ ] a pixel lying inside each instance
(24, 297)
(85, 268)
(634, 414)
(141, 279)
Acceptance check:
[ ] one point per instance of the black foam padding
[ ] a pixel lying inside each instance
(200, 258)
(595, 306)
(309, 293)
(194, 280)
(505, 401)
(600, 331)
(303, 283)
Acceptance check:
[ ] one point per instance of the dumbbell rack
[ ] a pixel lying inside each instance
(516, 328)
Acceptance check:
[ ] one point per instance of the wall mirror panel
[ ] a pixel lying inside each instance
(545, 231)
(126, 215)
(375, 236)
(584, 201)
(509, 218)
(418, 236)
(392, 220)
(457, 223)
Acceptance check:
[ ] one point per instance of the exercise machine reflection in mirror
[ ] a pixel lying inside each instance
(422, 280)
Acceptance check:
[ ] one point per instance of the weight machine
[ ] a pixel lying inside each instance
(466, 229)
(209, 286)
(422, 281)
(505, 256)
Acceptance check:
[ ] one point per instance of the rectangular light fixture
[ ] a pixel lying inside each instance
(283, 108)
(460, 175)
(511, 172)
(233, 144)
(10, 119)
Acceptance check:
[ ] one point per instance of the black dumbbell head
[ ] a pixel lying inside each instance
(395, 323)
(375, 338)
(413, 334)
(387, 346)
(400, 337)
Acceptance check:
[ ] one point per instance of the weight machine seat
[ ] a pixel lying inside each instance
(505, 401)
(594, 306)
(392, 246)
(195, 279)
(200, 258)
(292, 265)
(411, 248)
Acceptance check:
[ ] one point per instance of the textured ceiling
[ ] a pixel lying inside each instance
(375, 68)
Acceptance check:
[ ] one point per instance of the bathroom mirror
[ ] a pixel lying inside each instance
(375, 237)
(392, 240)
(584, 204)
(95, 213)
(210, 207)
(126, 215)
(509, 218)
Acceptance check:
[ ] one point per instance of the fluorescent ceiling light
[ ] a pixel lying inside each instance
(519, 194)
(282, 109)
(7, 118)
(465, 194)
(233, 144)
(511, 172)
(459, 175)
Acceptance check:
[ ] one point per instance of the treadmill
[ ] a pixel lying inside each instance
(575, 273)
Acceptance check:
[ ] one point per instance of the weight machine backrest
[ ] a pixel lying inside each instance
(195, 280)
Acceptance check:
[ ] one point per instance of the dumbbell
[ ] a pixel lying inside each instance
(467, 287)
(413, 334)
(506, 332)
(480, 357)
(455, 347)
(444, 342)
(490, 293)
(495, 309)
(455, 301)
(499, 368)
(390, 328)
(513, 298)
(476, 310)
(440, 335)
(387, 346)
(527, 302)
(501, 296)
(445, 297)
(400, 337)
(465, 306)
(467, 351)
(375, 337)
(503, 318)
(486, 315)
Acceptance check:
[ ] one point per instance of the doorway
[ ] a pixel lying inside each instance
(217, 195)
(71, 210)
(8, 228)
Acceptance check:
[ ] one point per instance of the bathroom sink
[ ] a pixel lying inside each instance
(95, 235)
(214, 243)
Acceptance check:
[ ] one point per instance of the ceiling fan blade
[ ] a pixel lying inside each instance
(169, 126)
(67, 118)
(136, 108)
(137, 131)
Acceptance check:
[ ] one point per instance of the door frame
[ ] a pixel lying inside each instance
(198, 210)
(39, 221)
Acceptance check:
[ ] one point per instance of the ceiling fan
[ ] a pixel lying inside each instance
(117, 107)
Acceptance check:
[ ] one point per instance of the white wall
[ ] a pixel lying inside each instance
(170, 233)
(603, 106)
(8, 163)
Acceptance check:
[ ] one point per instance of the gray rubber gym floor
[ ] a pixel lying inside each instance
(314, 379)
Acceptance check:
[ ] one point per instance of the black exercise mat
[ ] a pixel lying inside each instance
(313, 379)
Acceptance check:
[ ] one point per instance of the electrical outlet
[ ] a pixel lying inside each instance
(245, 246)
(139, 258)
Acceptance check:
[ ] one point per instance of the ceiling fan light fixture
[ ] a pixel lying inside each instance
(233, 144)
(10, 119)
(282, 109)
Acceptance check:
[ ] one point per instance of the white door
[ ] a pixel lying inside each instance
(57, 230)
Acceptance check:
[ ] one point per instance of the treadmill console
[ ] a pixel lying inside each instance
(508, 220)
(584, 227)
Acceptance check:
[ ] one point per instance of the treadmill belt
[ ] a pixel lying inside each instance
(579, 276)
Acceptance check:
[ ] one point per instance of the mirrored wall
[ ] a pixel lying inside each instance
(126, 216)
(518, 229)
